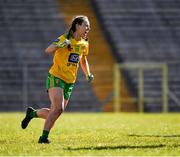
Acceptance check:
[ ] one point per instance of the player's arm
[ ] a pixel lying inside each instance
(51, 48)
(85, 67)
(58, 43)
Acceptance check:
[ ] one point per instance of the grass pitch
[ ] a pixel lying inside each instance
(92, 134)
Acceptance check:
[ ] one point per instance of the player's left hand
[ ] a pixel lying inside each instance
(90, 77)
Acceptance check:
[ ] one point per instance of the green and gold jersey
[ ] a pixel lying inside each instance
(65, 62)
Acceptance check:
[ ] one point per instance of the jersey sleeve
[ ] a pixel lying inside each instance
(60, 39)
(86, 50)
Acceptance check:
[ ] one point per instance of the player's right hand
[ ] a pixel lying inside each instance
(61, 45)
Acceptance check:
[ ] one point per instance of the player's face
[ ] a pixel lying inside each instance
(84, 28)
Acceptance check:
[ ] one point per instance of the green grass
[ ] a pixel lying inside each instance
(93, 134)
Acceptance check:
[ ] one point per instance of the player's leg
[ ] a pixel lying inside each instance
(32, 113)
(42, 113)
(56, 96)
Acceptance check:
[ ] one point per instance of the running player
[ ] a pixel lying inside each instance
(69, 50)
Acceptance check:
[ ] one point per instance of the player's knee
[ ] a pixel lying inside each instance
(58, 110)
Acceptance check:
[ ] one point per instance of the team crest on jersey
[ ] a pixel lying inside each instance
(73, 58)
(77, 48)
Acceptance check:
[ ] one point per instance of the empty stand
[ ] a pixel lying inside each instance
(145, 30)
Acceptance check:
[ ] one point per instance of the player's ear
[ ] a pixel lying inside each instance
(77, 26)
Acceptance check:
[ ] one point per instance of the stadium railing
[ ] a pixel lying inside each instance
(139, 68)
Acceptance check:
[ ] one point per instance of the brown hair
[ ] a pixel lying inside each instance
(77, 20)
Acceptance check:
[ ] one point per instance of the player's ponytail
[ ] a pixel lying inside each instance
(69, 35)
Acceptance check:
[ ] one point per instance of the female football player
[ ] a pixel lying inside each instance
(69, 50)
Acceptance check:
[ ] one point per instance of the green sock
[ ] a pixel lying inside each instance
(33, 114)
(45, 134)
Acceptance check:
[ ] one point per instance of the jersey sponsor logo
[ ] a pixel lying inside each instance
(73, 58)
(72, 64)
